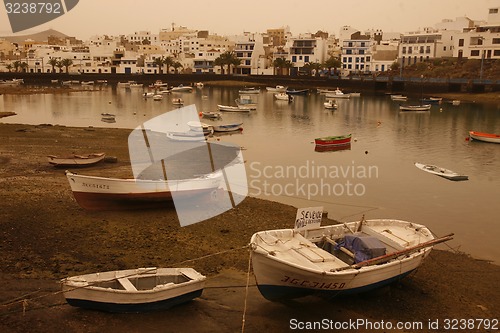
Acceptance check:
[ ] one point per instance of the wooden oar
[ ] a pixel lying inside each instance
(387, 257)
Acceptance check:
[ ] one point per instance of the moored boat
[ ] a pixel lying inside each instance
(211, 115)
(182, 88)
(486, 137)
(247, 91)
(177, 101)
(346, 258)
(101, 193)
(333, 140)
(229, 108)
(337, 94)
(276, 89)
(424, 107)
(441, 172)
(76, 160)
(227, 127)
(133, 290)
(330, 104)
(297, 91)
(283, 97)
(399, 98)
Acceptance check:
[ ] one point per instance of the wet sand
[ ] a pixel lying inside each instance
(46, 236)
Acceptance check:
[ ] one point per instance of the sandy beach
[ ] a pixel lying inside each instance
(46, 236)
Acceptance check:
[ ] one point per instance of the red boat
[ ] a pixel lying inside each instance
(487, 137)
(333, 140)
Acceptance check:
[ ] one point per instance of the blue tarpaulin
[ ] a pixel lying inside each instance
(364, 247)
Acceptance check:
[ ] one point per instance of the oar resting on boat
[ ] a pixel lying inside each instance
(389, 256)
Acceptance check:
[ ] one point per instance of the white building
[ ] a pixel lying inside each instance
(357, 54)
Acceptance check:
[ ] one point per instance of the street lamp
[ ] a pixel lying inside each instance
(482, 59)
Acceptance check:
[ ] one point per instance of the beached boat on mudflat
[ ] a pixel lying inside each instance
(101, 193)
(227, 127)
(133, 290)
(76, 160)
(486, 137)
(441, 172)
(338, 259)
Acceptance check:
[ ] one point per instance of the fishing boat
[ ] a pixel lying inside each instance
(200, 127)
(101, 193)
(346, 258)
(107, 116)
(182, 88)
(330, 104)
(399, 98)
(245, 101)
(227, 127)
(133, 290)
(333, 140)
(441, 172)
(432, 100)
(247, 91)
(277, 89)
(177, 101)
(283, 97)
(148, 94)
(424, 107)
(486, 137)
(157, 97)
(76, 160)
(337, 94)
(211, 115)
(297, 91)
(229, 108)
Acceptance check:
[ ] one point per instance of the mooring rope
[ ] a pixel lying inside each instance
(246, 291)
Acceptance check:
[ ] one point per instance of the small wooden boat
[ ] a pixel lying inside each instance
(424, 107)
(157, 97)
(177, 101)
(87, 83)
(211, 115)
(102, 193)
(136, 85)
(277, 89)
(182, 88)
(200, 127)
(245, 101)
(76, 160)
(432, 100)
(330, 104)
(441, 172)
(191, 136)
(133, 290)
(247, 91)
(399, 98)
(107, 116)
(148, 94)
(486, 137)
(333, 140)
(321, 149)
(297, 91)
(337, 94)
(346, 258)
(227, 127)
(229, 108)
(455, 102)
(283, 97)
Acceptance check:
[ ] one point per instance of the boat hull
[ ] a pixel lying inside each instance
(441, 172)
(425, 107)
(486, 137)
(152, 289)
(333, 141)
(76, 161)
(98, 193)
(288, 264)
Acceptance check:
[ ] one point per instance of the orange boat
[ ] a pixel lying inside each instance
(487, 137)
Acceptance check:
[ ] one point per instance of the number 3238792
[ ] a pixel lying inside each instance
(33, 8)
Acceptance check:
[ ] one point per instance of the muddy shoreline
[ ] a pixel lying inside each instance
(46, 236)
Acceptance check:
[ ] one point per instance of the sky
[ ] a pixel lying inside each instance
(232, 17)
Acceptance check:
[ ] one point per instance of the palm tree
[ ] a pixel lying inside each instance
(280, 64)
(66, 63)
(219, 62)
(332, 62)
(53, 63)
(229, 58)
(159, 62)
(59, 65)
(24, 66)
(168, 61)
(16, 65)
(235, 62)
(316, 66)
(176, 65)
(9, 67)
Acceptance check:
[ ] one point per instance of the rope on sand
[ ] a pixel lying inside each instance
(246, 291)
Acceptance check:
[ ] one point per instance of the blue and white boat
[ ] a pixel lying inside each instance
(133, 290)
(338, 259)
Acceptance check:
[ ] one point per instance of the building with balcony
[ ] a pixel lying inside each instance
(357, 54)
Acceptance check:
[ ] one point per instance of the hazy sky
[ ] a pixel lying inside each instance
(230, 17)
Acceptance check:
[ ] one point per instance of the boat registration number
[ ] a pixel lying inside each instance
(313, 284)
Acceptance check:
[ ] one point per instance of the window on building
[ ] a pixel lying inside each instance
(348, 51)
(474, 53)
(349, 59)
(444, 48)
(496, 41)
(362, 44)
(493, 11)
(404, 50)
(368, 59)
(306, 58)
(428, 49)
(421, 49)
(461, 42)
(361, 51)
(496, 53)
(410, 49)
(349, 44)
(294, 58)
(349, 66)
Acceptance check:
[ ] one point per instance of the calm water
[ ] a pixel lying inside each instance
(375, 177)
